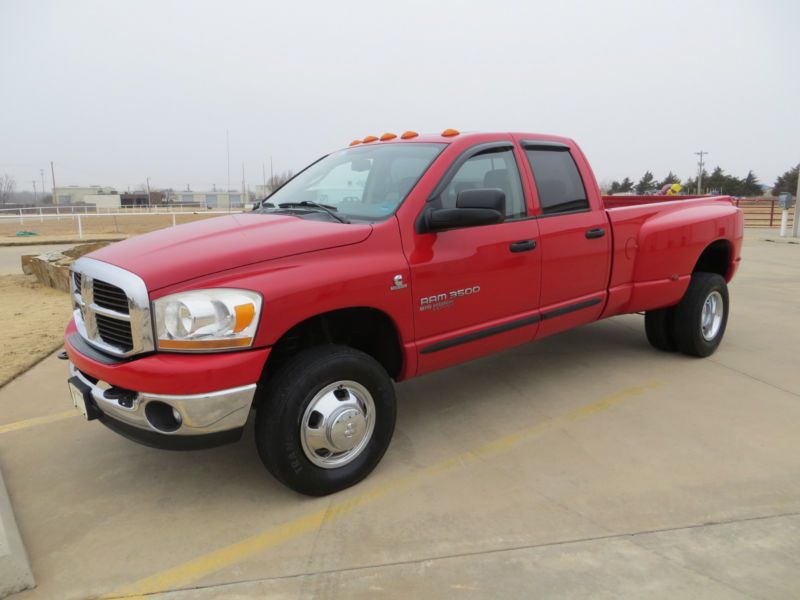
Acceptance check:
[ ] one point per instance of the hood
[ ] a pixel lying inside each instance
(181, 253)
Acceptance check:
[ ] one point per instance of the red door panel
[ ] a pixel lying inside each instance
(467, 283)
(574, 269)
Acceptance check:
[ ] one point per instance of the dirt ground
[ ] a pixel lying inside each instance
(32, 323)
(91, 224)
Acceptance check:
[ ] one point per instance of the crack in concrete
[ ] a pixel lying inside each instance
(613, 536)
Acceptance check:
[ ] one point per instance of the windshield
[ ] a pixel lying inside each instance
(362, 183)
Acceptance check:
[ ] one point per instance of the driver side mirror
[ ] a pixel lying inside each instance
(484, 206)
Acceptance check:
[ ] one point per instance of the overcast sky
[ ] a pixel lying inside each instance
(113, 92)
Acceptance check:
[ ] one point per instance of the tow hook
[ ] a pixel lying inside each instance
(63, 355)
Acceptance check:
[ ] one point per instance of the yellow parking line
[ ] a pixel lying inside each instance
(59, 416)
(206, 564)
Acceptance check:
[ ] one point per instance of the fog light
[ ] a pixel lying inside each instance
(162, 416)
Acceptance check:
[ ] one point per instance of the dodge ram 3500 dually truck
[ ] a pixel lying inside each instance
(391, 258)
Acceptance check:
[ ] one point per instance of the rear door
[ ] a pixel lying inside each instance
(575, 237)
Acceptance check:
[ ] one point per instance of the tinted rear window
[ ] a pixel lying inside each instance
(558, 181)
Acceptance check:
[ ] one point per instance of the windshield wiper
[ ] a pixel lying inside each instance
(311, 204)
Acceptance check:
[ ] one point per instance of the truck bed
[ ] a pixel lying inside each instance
(656, 242)
(619, 201)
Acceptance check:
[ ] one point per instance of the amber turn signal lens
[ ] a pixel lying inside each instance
(355, 142)
(408, 135)
(450, 132)
(244, 316)
(204, 344)
(370, 138)
(388, 136)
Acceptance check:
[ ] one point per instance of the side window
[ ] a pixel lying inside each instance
(490, 170)
(558, 181)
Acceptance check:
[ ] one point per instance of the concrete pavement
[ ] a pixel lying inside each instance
(585, 465)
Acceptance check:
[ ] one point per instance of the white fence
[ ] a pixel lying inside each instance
(138, 209)
(39, 214)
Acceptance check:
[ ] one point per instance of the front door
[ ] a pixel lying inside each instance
(476, 289)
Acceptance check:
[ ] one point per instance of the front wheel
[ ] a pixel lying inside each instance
(701, 316)
(326, 419)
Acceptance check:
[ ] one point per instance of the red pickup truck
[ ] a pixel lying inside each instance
(394, 257)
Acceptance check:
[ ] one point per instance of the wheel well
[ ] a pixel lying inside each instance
(362, 328)
(715, 259)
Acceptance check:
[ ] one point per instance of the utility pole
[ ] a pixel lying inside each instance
(264, 176)
(271, 172)
(147, 183)
(700, 166)
(53, 173)
(35, 197)
(244, 187)
(228, 151)
(41, 172)
(796, 195)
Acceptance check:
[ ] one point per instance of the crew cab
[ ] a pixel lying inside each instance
(390, 258)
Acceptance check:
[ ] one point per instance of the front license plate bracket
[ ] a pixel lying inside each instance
(81, 395)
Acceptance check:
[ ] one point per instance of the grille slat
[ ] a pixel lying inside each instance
(110, 335)
(110, 296)
(122, 327)
(78, 278)
(118, 327)
(117, 340)
(114, 332)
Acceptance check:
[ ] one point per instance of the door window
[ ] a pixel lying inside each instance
(558, 181)
(494, 169)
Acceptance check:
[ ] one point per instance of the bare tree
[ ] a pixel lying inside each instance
(277, 180)
(7, 185)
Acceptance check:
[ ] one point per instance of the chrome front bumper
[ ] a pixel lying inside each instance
(200, 414)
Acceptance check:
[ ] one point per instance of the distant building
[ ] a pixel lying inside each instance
(102, 200)
(74, 194)
(142, 199)
(262, 191)
(208, 199)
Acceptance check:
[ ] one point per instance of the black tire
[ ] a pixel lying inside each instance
(287, 395)
(687, 320)
(658, 327)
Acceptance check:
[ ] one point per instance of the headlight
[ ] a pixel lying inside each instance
(203, 320)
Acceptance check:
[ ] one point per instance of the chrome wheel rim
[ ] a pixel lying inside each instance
(711, 317)
(337, 424)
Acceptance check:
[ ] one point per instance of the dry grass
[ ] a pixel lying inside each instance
(32, 323)
(123, 224)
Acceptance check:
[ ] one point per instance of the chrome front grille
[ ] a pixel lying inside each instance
(111, 308)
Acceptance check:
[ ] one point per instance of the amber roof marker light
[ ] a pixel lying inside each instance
(369, 139)
(408, 135)
(355, 142)
(388, 136)
(450, 132)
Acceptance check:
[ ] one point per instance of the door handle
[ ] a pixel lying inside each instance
(595, 233)
(523, 246)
